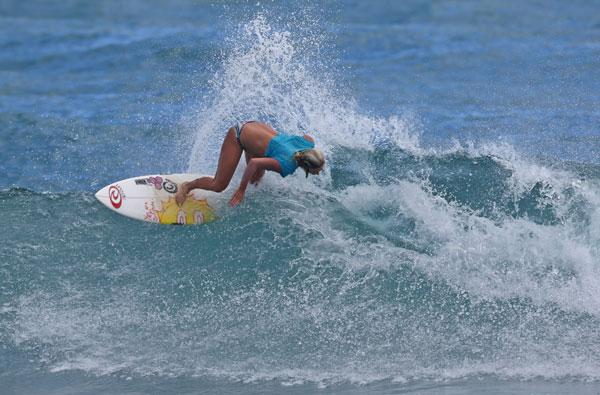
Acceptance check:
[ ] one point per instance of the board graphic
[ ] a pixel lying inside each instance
(152, 198)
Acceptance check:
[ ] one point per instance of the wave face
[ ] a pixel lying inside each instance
(364, 279)
(413, 259)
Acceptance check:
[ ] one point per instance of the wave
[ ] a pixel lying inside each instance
(403, 262)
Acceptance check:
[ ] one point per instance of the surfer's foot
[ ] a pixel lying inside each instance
(181, 194)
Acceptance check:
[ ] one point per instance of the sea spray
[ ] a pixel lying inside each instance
(403, 263)
(271, 75)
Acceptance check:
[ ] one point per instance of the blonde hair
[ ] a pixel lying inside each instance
(310, 159)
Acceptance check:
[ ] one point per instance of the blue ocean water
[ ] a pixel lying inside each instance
(452, 245)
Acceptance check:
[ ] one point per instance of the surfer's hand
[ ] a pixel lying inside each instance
(237, 197)
(181, 194)
(256, 177)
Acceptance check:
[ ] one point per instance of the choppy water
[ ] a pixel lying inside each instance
(453, 245)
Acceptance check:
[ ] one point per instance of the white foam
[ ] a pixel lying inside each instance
(267, 73)
(363, 230)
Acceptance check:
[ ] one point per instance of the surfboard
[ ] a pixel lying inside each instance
(152, 198)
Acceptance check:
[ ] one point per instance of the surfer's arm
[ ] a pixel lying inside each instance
(307, 137)
(258, 175)
(254, 165)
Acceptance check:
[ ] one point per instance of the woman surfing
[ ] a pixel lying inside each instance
(265, 149)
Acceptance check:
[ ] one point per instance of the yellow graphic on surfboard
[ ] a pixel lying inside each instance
(192, 211)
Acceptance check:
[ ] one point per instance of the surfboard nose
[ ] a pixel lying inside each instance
(101, 192)
(102, 196)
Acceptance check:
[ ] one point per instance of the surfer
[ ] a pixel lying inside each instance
(265, 149)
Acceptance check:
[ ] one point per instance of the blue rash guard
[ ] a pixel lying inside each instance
(282, 148)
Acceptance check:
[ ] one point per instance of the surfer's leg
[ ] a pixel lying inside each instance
(231, 152)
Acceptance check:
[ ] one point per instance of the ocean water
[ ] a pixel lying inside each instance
(452, 245)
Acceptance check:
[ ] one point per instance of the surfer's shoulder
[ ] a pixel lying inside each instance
(309, 138)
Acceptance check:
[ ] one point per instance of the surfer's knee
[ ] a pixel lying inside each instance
(219, 186)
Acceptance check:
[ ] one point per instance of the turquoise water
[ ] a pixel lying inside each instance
(452, 245)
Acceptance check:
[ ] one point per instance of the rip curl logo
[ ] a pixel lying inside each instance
(115, 195)
(169, 186)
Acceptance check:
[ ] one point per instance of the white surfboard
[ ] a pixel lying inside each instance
(152, 198)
